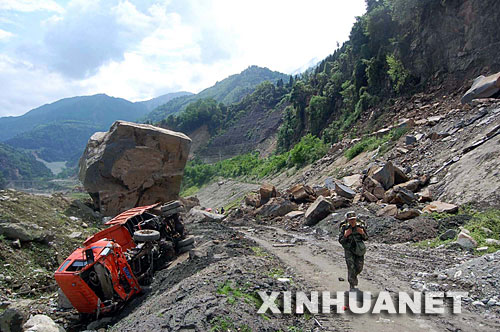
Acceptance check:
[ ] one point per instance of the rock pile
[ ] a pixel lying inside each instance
(132, 165)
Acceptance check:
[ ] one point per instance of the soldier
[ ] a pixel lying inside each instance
(352, 233)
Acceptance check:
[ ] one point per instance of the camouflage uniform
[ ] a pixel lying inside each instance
(354, 250)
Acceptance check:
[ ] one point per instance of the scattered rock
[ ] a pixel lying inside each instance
(16, 244)
(410, 140)
(317, 211)
(301, 193)
(487, 230)
(448, 235)
(252, 199)
(425, 196)
(276, 207)
(23, 232)
(344, 191)
(352, 181)
(407, 214)
(384, 175)
(399, 196)
(411, 185)
(196, 215)
(132, 165)
(267, 191)
(75, 235)
(369, 196)
(374, 187)
(62, 300)
(103, 322)
(440, 207)
(321, 191)
(189, 202)
(482, 87)
(390, 210)
(340, 202)
(492, 242)
(400, 176)
(466, 241)
(42, 323)
(294, 214)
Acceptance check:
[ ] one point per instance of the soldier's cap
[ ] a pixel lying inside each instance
(350, 215)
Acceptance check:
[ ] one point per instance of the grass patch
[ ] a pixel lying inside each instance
(224, 324)
(366, 144)
(372, 143)
(234, 203)
(189, 191)
(276, 273)
(233, 292)
(480, 222)
(258, 251)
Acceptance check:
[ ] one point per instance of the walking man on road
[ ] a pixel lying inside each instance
(352, 234)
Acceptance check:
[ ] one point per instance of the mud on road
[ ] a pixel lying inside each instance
(214, 287)
(318, 262)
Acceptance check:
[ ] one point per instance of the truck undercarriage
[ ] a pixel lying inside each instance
(114, 263)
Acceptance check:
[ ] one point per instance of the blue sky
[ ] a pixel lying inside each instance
(52, 49)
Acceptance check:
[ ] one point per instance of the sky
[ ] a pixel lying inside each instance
(141, 49)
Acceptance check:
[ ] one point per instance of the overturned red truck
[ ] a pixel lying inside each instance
(114, 263)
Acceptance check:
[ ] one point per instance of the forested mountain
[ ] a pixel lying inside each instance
(229, 90)
(233, 129)
(151, 104)
(397, 48)
(100, 110)
(60, 141)
(60, 130)
(19, 165)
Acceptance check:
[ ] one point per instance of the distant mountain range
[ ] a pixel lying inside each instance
(59, 131)
(228, 91)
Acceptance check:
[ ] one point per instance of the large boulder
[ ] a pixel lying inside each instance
(318, 211)
(23, 232)
(301, 193)
(383, 174)
(132, 165)
(276, 207)
(482, 87)
(344, 191)
(196, 215)
(253, 199)
(267, 191)
(374, 187)
(42, 323)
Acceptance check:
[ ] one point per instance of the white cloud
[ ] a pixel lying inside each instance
(5, 35)
(140, 49)
(30, 5)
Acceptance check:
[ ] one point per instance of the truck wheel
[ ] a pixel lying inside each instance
(187, 241)
(185, 249)
(146, 235)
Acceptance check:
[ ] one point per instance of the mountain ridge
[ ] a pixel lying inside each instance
(230, 90)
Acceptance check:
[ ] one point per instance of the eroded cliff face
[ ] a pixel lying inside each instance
(453, 40)
(133, 165)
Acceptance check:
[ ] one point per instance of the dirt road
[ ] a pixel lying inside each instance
(320, 263)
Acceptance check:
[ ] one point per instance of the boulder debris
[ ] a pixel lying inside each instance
(344, 191)
(267, 191)
(132, 165)
(317, 211)
(276, 207)
(440, 207)
(482, 87)
(42, 323)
